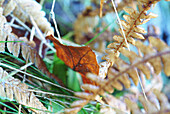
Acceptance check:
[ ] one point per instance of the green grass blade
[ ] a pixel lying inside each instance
(97, 35)
(8, 106)
(10, 41)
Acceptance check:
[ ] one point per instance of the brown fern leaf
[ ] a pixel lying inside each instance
(131, 28)
(149, 106)
(156, 45)
(12, 88)
(23, 9)
(162, 46)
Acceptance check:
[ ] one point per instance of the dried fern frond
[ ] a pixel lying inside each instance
(131, 28)
(150, 106)
(27, 49)
(156, 45)
(23, 9)
(102, 9)
(12, 89)
(162, 46)
(114, 81)
(83, 25)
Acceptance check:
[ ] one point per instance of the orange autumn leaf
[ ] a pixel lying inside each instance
(80, 59)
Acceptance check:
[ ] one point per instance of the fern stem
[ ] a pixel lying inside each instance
(125, 38)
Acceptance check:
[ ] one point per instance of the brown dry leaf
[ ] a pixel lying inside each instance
(80, 59)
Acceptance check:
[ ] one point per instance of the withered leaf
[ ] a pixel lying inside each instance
(80, 59)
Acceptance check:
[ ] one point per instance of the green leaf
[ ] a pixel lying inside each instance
(82, 111)
(73, 80)
(60, 69)
(57, 107)
(68, 36)
(97, 35)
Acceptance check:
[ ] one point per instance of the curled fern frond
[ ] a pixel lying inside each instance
(12, 89)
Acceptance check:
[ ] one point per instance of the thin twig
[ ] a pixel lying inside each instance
(22, 68)
(27, 28)
(20, 22)
(143, 91)
(120, 24)
(29, 81)
(16, 26)
(40, 34)
(53, 94)
(55, 23)
(32, 33)
(52, 100)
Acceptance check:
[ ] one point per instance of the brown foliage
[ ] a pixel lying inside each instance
(80, 59)
(83, 60)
